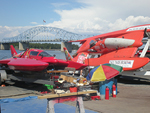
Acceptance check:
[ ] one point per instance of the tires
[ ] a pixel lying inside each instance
(3, 76)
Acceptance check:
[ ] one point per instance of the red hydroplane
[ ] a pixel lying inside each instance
(118, 47)
(37, 60)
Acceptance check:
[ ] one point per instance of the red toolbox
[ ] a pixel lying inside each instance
(95, 97)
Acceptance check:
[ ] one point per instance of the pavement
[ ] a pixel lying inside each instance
(133, 97)
(130, 99)
(19, 90)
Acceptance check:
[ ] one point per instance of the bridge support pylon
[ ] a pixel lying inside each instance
(4, 46)
(23, 45)
(68, 45)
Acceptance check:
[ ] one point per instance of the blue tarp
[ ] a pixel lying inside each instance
(8, 100)
(33, 105)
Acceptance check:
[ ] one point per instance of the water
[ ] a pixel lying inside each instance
(59, 55)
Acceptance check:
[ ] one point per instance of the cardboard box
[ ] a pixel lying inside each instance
(69, 79)
(72, 80)
(83, 81)
(64, 77)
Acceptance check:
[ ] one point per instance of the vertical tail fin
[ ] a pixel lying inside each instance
(68, 56)
(13, 51)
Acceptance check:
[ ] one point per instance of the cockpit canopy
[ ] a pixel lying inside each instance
(43, 53)
(92, 43)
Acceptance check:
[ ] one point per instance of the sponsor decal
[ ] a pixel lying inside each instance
(139, 28)
(123, 63)
(114, 92)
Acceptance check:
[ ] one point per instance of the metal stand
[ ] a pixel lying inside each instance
(51, 102)
(60, 98)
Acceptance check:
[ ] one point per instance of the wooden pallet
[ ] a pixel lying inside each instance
(57, 71)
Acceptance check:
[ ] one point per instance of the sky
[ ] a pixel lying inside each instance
(77, 16)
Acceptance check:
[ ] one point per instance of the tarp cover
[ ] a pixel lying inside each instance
(33, 105)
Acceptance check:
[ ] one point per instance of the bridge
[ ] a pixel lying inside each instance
(42, 34)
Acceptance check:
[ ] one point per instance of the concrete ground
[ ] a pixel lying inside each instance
(19, 90)
(133, 97)
(130, 99)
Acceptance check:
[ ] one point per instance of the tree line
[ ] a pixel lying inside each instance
(45, 46)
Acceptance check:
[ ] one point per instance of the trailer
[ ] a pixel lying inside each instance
(43, 77)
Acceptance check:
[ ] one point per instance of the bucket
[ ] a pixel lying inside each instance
(73, 89)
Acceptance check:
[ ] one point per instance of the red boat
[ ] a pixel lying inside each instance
(37, 60)
(118, 47)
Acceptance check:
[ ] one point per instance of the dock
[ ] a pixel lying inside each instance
(133, 97)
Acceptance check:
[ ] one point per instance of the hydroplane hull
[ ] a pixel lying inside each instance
(22, 64)
(128, 64)
(122, 57)
(37, 60)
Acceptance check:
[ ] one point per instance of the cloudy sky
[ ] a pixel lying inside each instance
(78, 16)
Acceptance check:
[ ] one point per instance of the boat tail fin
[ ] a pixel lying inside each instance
(67, 54)
(13, 51)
